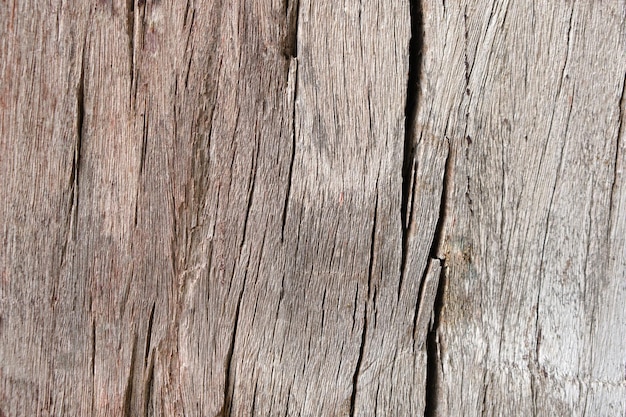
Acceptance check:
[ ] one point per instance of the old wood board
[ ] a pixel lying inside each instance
(265, 207)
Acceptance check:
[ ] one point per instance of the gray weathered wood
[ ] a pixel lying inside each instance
(531, 97)
(312, 208)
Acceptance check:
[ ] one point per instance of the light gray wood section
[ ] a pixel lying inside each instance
(531, 97)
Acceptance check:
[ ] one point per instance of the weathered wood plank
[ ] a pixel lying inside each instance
(532, 319)
(222, 210)
(262, 207)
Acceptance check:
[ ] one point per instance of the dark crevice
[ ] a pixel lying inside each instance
(93, 365)
(142, 159)
(410, 113)
(229, 377)
(618, 144)
(436, 249)
(323, 313)
(432, 351)
(186, 13)
(465, 57)
(372, 246)
(93, 350)
(80, 131)
(562, 74)
(189, 21)
(130, 31)
(149, 389)
(291, 36)
(407, 217)
(436, 246)
(408, 194)
(128, 392)
(355, 304)
(483, 410)
(357, 369)
(149, 336)
(293, 152)
(144, 142)
(420, 304)
(254, 395)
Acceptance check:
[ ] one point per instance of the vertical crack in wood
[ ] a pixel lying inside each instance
(410, 113)
(187, 14)
(148, 377)
(144, 141)
(254, 396)
(189, 21)
(142, 157)
(567, 52)
(130, 30)
(483, 408)
(128, 392)
(620, 132)
(148, 387)
(294, 72)
(465, 56)
(533, 393)
(80, 130)
(229, 383)
(93, 366)
(292, 11)
(291, 50)
(433, 360)
(357, 369)
(149, 335)
(436, 247)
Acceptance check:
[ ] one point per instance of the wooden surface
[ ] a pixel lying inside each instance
(312, 208)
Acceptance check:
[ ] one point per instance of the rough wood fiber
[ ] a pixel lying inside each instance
(531, 98)
(217, 208)
(202, 210)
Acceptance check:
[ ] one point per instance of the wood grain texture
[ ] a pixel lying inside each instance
(312, 208)
(531, 97)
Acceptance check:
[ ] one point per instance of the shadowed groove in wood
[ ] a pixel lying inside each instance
(432, 351)
(435, 252)
(524, 317)
(128, 391)
(130, 31)
(438, 237)
(618, 144)
(409, 181)
(80, 131)
(412, 96)
(294, 80)
(229, 377)
(357, 369)
(292, 10)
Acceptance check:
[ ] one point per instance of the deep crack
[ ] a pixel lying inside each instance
(80, 132)
(408, 195)
(292, 11)
(432, 351)
(229, 372)
(357, 369)
(410, 112)
(438, 237)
